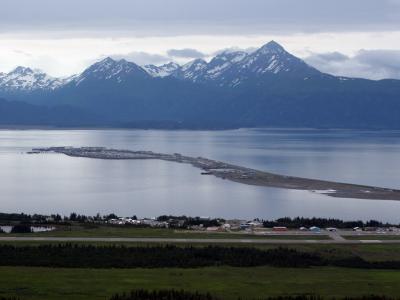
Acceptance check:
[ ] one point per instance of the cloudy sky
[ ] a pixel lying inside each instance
(345, 37)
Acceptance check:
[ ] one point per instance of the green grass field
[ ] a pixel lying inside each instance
(121, 231)
(227, 282)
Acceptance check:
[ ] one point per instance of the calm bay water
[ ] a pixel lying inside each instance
(53, 183)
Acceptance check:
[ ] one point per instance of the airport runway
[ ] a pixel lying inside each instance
(336, 239)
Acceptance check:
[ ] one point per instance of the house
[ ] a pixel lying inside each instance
(315, 229)
(245, 226)
(255, 224)
(226, 226)
(235, 222)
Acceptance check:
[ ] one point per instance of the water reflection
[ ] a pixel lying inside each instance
(59, 184)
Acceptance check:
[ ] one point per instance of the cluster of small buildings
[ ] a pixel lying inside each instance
(144, 222)
(231, 225)
(377, 229)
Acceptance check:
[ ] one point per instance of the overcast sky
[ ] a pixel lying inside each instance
(345, 37)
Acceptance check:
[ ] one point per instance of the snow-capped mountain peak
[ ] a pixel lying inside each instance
(110, 69)
(222, 62)
(232, 67)
(195, 65)
(26, 79)
(191, 70)
(228, 68)
(161, 71)
(272, 58)
(271, 47)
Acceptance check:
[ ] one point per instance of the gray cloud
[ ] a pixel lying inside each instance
(328, 57)
(373, 64)
(22, 53)
(143, 58)
(186, 53)
(174, 17)
(234, 49)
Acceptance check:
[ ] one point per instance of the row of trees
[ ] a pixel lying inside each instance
(322, 222)
(74, 255)
(141, 294)
(185, 295)
(19, 228)
(90, 256)
(163, 295)
(7, 218)
(185, 221)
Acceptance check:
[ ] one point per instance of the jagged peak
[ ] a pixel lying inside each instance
(171, 64)
(162, 70)
(272, 47)
(22, 70)
(233, 56)
(195, 62)
(108, 59)
(109, 64)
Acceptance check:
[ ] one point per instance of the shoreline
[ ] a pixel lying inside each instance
(236, 173)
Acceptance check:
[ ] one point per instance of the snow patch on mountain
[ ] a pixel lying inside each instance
(161, 71)
(26, 79)
(192, 70)
(110, 69)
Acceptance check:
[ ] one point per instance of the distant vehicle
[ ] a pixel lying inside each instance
(331, 229)
(206, 173)
(279, 228)
(303, 228)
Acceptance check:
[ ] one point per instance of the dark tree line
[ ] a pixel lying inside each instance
(185, 295)
(322, 222)
(74, 255)
(89, 256)
(21, 228)
(183, 221)
(163, 295)
(6, 217)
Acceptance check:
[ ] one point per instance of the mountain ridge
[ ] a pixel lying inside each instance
(269, 58)
(268, 87)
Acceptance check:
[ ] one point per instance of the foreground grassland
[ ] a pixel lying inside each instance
(226, 282)
(134, 232)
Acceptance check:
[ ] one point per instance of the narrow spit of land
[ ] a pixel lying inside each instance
(237, 173)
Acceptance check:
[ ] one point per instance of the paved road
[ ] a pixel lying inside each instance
(335, 240)
(336, 236)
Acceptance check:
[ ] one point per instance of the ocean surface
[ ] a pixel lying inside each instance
(54, 183)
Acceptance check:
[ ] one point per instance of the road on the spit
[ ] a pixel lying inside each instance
(336, 239)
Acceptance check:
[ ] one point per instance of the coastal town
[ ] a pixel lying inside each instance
(218, 227)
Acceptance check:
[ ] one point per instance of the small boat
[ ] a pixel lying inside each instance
(33, 152)
(206, 173)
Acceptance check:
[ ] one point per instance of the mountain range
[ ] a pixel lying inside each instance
(268, 87)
